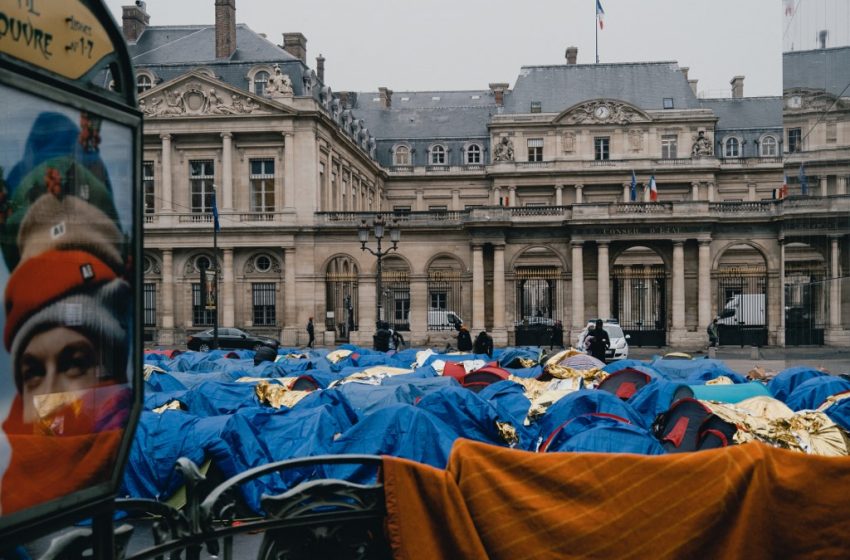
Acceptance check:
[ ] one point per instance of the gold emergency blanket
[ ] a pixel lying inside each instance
(277, 395)
(544, 394)
(337, 355)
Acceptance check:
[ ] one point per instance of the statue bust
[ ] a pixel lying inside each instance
(701, 146)
(279, 84)
(504, 150)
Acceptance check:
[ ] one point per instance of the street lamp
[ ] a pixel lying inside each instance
(378, 229)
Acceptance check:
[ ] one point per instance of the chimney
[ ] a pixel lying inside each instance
(296, 45)
(684, 70)
(134, 19)
(572, 55)
(693, 84)
(737, 87)
(225, 28)
(822, 34)
(386, 97)
(320, 67)
(499, 93)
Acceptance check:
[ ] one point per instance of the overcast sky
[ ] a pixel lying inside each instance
(466, 44)
(804, 19)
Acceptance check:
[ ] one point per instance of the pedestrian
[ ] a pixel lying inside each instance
(598, 341)
(383, 337)
(397, 340)
(557, 336)
(311, 332)
(483, 344)
(713, 333)
(464, 339)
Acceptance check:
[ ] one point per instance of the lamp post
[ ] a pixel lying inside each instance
(378, 228)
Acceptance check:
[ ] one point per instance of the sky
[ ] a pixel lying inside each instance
(806, 18)
(467, 44)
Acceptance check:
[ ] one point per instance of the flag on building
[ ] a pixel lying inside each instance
(804, 181)
(633, 191)
(600, 15)
(216, 224)
(653, 190)
(783, 191)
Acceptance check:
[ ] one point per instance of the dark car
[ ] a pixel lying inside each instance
(229, 339)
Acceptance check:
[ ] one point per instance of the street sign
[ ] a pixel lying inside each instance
(70, 235)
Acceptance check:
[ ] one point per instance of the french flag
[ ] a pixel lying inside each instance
(653, 190)
(600, 14)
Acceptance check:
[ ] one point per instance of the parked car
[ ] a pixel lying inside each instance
(443, 320)
(229, 339)
(619, 349)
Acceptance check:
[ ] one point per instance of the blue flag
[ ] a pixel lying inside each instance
(215, 213)
(633, 191)
(804, 181)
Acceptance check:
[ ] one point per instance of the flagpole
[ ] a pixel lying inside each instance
(215, 253)
(596, 30)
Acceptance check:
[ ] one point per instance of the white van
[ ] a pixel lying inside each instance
(443, 319)
(743, 309)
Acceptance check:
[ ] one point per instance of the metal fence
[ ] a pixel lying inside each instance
(742, 305)
(396, 299)
(538, 318)
(639, 303)
(445, 297)
(341, 303)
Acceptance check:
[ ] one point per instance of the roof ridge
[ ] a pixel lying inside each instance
(590, 65)
(753, 97)
(817, 50)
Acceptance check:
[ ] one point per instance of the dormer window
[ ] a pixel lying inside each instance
(261, 80)
(536, 106)
(668, 103)
(769, 146)
(143, 83)
(473, 154)
(732, 148)
(438, 155)
(402, 155)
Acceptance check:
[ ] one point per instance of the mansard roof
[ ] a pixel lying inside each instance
(746, 112)
(823, 69)
(642, 84)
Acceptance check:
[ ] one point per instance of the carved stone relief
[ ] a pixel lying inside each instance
(603, 112)
(504, 150)
(569, 142)
(279, 85)
(635, 140)
(192, 100)
(702, 145)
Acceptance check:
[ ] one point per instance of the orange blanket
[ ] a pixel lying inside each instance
(750, 501)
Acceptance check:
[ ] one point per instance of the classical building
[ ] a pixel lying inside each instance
(515, 204)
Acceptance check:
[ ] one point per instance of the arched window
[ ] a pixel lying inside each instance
(769, 146)
(438, 155)
(473, 154)
(143, 83)
(261, 79)
(732, 148)
(402, 155)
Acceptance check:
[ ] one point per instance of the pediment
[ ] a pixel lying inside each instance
(198, 95)
(806, 99)
(602, 111)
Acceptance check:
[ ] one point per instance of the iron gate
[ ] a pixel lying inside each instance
(341, 294)
(539, 306)
(445, 298)
(396, 299)
(805, 304)
(742, 305)
(639, 302)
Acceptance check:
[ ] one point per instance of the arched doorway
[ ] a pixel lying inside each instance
(805, 295)
(639, 296)
(538, 277)
(341, 297)
(396, 297)
(445, 293)
(742, 296)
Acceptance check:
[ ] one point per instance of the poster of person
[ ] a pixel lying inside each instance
(66, 215)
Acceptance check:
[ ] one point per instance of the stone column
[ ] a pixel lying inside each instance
(711, 193)
(678, 286)
(603, 291)
(579, 197)
(167, 289)
(823, 185)
(835, 286)
(704, 285)
(695, 190)
(512, 195)
(418, 316)
(420, 201)
(227, 173)
(456, 200)
(627, 191)
(578, 287)
(227, 289)
(842, 184)
(559, 195)
(167, 204)
(477, 287)
(499, 287)
(290, 311)
(289, 172)
(497, 195)
(782, 290)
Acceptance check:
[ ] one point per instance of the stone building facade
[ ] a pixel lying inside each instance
(516, 205)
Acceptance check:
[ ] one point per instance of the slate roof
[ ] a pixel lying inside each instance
(643, 84)
(746, 112)
(456, 114)
(824, 69)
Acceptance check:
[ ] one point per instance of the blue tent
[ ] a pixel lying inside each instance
(656, 397)
(812, 393)
(584, 402)
(788, 379)
(603, 434)
(508, 396)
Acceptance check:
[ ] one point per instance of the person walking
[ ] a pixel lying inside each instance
(557, 336)
(464, 339)
(599, 341)
(713, 333)
(311, 332)
(483, 344)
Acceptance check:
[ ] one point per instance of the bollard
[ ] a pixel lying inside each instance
(754, 352)
(712, 353)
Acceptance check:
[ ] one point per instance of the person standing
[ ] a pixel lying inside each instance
(713, 333)
(483, 344)
(311, 332)
(599, 341)
(464, 339)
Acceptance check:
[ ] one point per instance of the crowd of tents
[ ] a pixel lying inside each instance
(227, 413)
